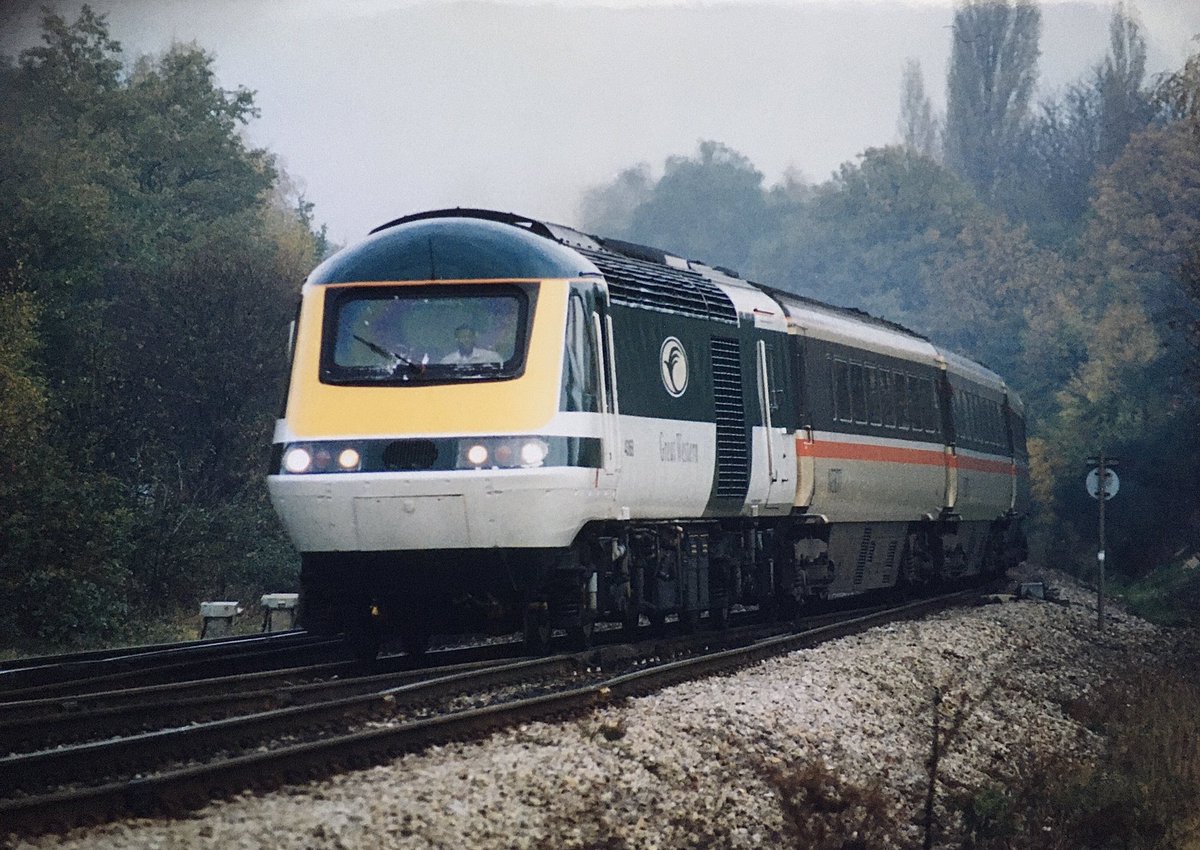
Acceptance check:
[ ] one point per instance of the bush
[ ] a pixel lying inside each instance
(1144, 794)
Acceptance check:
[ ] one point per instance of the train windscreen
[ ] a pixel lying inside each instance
(425, 334)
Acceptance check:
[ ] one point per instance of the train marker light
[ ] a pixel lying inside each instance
(297, 460)
(349, 459)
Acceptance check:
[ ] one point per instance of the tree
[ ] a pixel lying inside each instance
(1051, 189)
(1124, 107)
(1073, 136)
(1131, 394)
(917, 126)
(149, 260)
(993, 70)
(1177, 96)
(862, 238)
(710, 207)
(986, 293)
(608, 210)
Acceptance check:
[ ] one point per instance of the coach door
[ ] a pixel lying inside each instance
(607, 368)
(949, 435)
(806, 481)
(771, 442)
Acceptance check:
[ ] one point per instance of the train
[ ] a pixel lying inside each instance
(496, 423)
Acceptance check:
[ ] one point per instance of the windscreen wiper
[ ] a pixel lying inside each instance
(400, 359)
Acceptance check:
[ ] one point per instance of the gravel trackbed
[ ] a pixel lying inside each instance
(720, 762)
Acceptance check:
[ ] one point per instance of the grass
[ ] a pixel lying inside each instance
(174, 626)
(1169, 596)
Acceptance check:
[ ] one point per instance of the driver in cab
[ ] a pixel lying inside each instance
(466, 352)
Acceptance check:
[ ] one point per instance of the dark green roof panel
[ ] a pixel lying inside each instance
(451, 249)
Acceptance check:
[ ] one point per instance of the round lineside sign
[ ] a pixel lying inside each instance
(672, 363)
(1111, 484)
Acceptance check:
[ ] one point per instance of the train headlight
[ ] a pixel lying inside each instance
(477, 454)
(533, 452)
(297, 460)
(349, 459)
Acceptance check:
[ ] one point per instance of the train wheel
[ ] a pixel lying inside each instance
(632, 618)
(415, 636)
(718, 617)
(537, 631)
(364, 641)
(580, 636)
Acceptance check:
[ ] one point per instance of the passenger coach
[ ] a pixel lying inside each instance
(494, 421)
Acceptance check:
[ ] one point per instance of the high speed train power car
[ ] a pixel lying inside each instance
(498, 422)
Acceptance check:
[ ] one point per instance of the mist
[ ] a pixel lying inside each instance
(378, 109)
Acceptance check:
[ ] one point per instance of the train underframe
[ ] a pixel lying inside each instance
(632, 572)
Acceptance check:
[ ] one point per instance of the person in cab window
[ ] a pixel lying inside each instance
(466, 352)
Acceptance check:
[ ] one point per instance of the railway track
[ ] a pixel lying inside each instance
(90, 672)
(267, 736)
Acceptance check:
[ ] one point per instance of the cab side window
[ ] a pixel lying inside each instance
(580, 389)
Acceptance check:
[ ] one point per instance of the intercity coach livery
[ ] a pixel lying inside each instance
(498, 422)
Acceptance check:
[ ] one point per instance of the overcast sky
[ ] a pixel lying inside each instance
(380, 108)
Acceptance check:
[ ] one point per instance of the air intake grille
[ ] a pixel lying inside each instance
(637, 283)
(410, 455)
(733, 467)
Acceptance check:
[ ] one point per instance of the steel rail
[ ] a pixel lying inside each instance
(130, 717)
(80, 676)
(149, 750)
(37, 705)
(12, 664)
(189, 787)
(215, 666)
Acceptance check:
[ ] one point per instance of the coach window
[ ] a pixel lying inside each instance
(918, 404)
(902, 420)
(916, 410)
(841, 390)
(858, 395)
(960, 415)
(874, 416)
(924, 414)
(887, 397)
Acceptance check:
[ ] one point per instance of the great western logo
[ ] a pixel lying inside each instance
(672, 362)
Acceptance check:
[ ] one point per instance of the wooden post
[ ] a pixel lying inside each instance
(1103, 497)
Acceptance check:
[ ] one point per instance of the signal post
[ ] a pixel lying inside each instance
(1102, 484)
